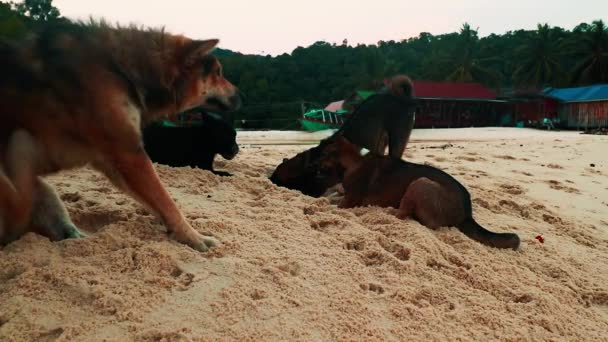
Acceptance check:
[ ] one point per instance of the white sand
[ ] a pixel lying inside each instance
(292, 267)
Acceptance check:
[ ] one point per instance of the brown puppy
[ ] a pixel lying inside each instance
(384, 119)
(429, 195)
(77, 94)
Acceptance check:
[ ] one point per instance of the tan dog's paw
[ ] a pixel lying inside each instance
(199, 242)
(210, 241)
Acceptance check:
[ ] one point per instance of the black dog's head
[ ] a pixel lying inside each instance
(305, 173)
(221, 135)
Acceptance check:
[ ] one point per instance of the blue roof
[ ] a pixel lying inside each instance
(580, 94)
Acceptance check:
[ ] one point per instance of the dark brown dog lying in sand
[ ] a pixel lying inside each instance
(427, 194)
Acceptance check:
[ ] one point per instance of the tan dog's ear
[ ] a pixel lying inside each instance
(197, 49)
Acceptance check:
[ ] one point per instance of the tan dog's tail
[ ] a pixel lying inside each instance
(478, 233)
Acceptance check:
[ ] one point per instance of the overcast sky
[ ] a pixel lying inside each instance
(277, 26)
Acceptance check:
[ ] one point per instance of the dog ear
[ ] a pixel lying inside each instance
(197, 49)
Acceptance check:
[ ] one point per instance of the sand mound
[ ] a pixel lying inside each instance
(292, 267)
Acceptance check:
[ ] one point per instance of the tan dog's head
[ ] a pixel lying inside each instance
(204, 84)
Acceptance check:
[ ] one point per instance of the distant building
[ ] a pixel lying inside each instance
(581, 107)
(530, 107)
(469, 104)
(440, 105)
(459, 104)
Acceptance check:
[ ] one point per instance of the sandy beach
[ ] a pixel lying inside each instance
(296, 268)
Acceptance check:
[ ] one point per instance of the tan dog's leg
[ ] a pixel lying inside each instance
(49, 216)
(7, 193)
(134, 173)
(407, 206)
(22, 159)
(1, 227)
(419, 200)
(431, 204)
(7, 197)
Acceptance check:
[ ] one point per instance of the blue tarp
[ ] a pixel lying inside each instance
(580, 94)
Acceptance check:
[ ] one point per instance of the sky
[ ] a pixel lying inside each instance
(279, 26)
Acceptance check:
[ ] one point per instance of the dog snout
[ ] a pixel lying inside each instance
(276, 180)
(236, 100)
(232, 153)
(242, 95)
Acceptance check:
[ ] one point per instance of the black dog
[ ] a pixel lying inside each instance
(194, 146)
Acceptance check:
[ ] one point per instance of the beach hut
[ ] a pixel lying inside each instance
(581, 107)
(458, 104)
(530, 107)
(439, 104)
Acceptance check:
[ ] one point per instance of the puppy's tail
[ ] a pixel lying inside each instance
(478, 233)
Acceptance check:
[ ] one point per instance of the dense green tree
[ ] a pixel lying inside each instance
(12, 25)
(539, 59)
(38, 10)
(277, 88)
(590, 46)
(468, 66)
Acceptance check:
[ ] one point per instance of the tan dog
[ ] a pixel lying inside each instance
(427, 194)
(78, 94)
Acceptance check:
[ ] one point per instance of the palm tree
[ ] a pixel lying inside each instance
(38, 10)
(591, 50)
(539, 59)
(468, 66)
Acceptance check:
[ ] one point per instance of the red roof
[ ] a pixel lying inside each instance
(452, 90)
